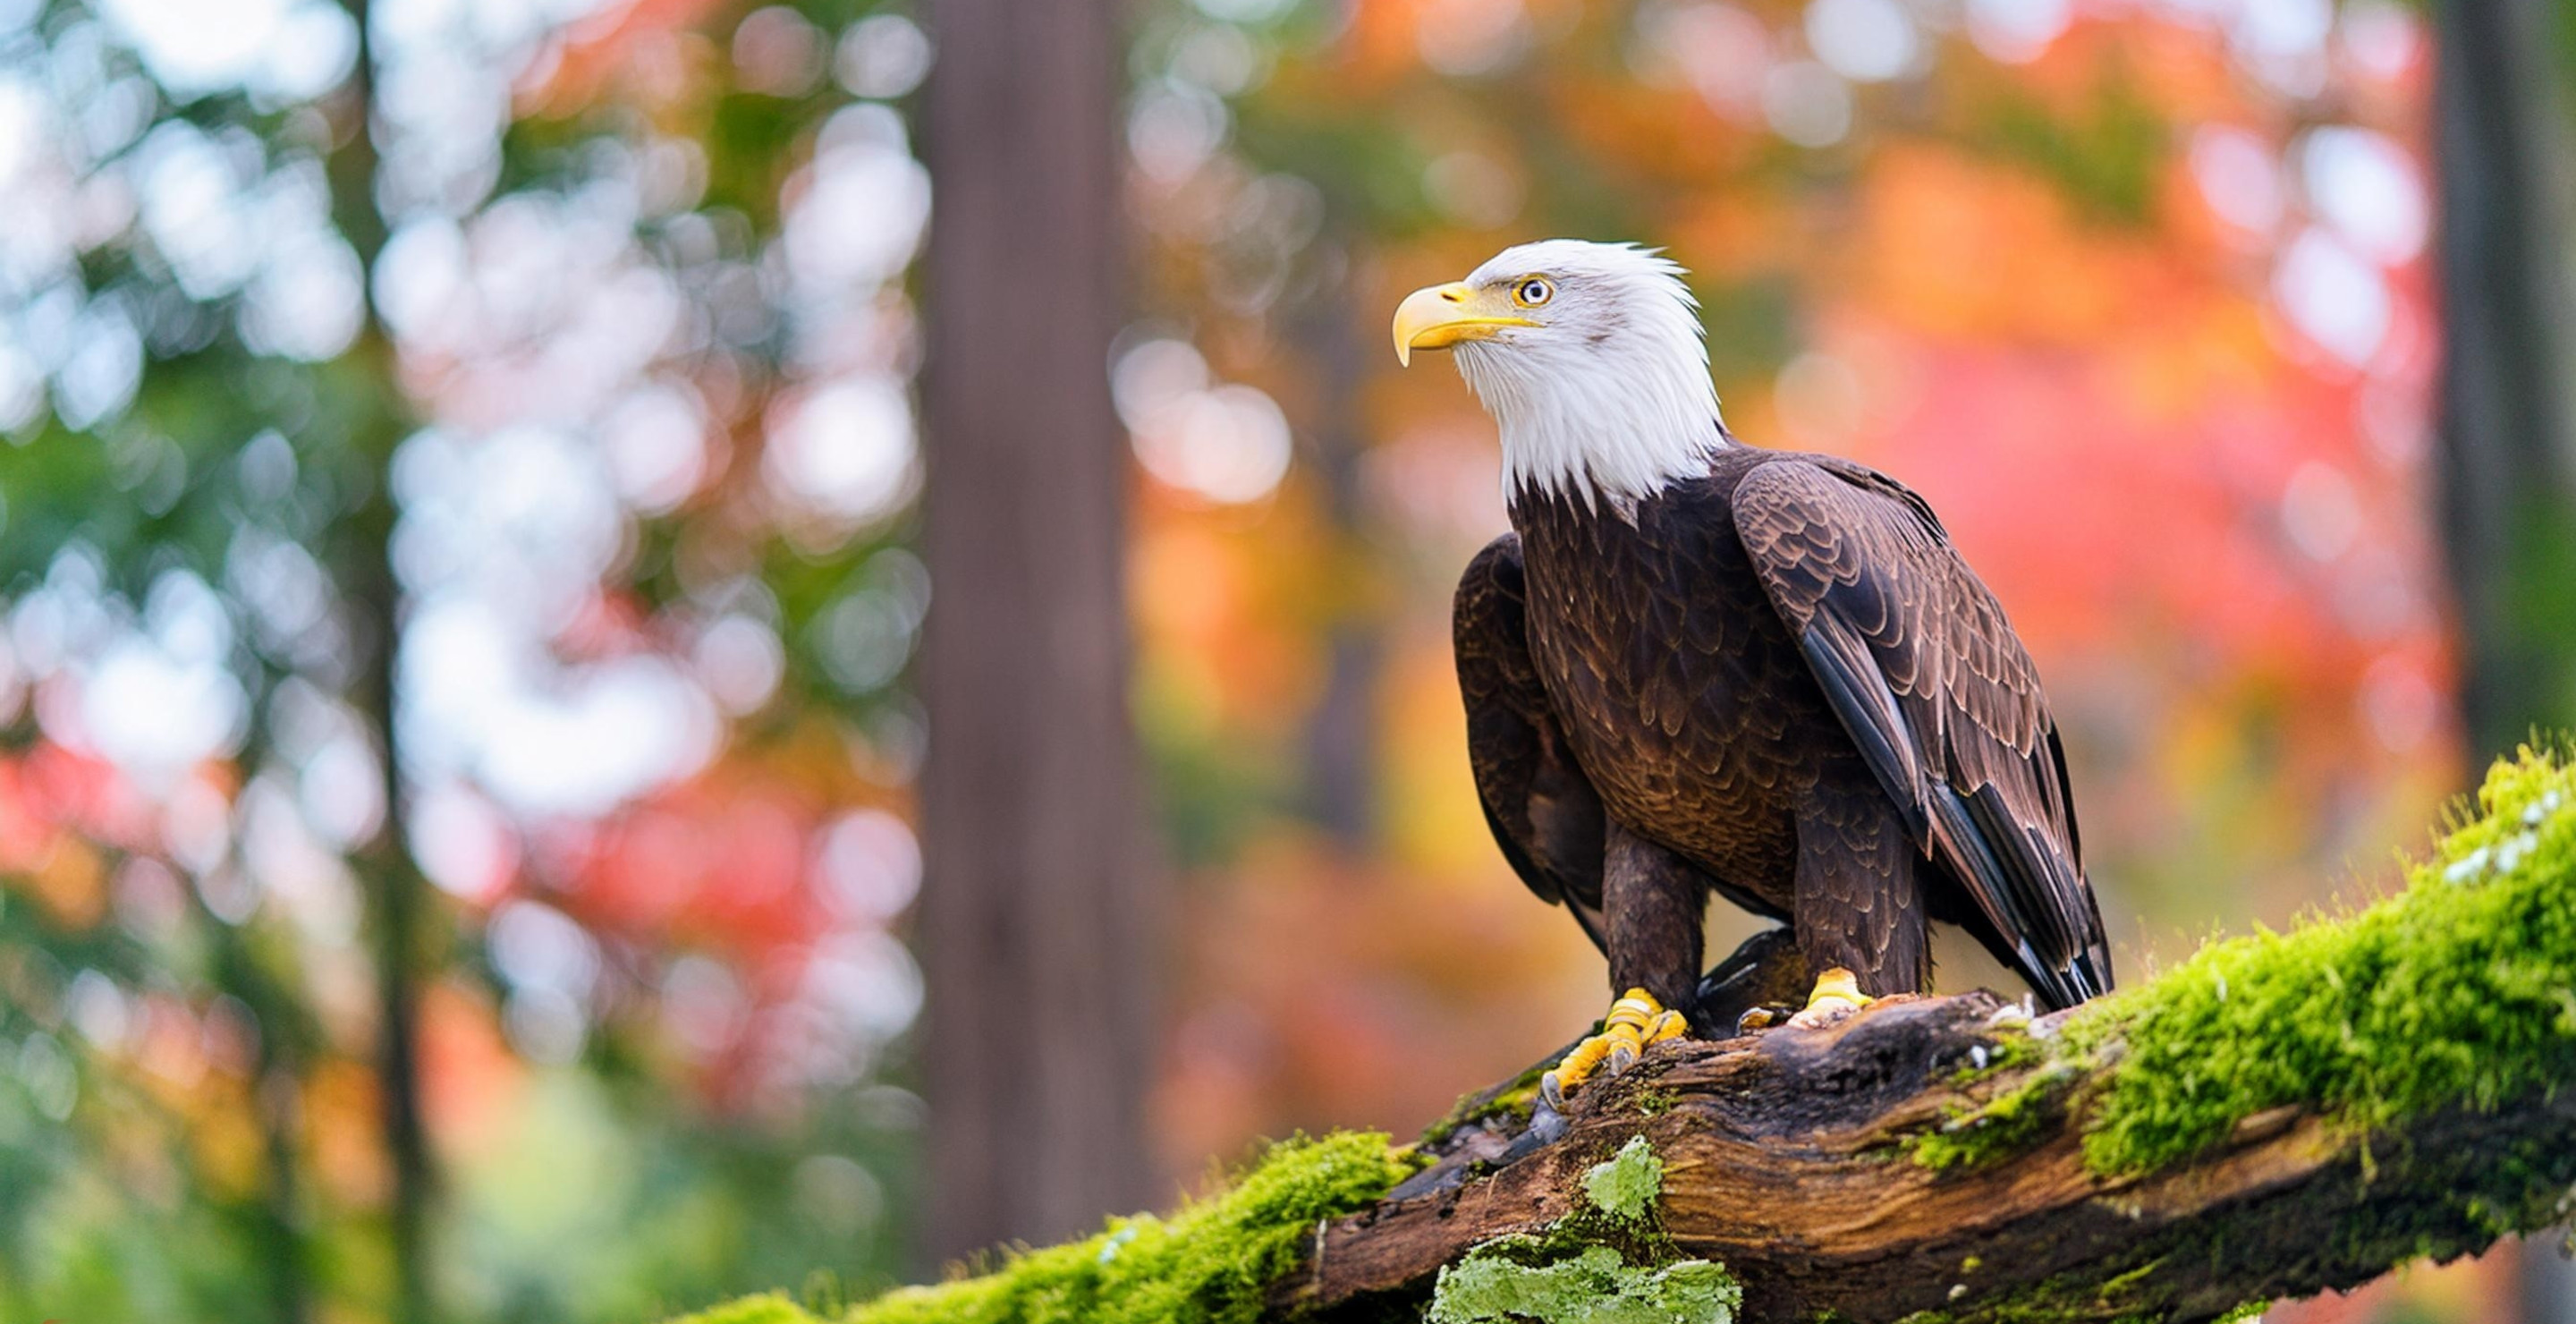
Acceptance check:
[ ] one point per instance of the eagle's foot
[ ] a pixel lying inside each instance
(1837, 995)
(1635, 1020)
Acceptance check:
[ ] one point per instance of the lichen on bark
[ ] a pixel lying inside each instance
(1607, 1263)
(1517, 1279)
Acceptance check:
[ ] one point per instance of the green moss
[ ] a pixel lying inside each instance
(771, 1309)
(2458, 990)
(1627, 1186)
(1512, 1280)
(2245, 1314)
(2066, 1299)
(2006, 1125)
(2011, 1050)
(1513, 1102)
(1209, 1263)
(2455, 991)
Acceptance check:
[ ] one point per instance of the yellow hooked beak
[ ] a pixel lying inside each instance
(1442, 315)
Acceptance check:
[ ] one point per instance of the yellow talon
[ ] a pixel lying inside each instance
(1837, 995)
(1841, 985)
(1635, 1021)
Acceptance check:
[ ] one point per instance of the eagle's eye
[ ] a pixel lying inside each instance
(1534, 291)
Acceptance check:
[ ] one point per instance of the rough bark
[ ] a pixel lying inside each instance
(1032, 923)
(1788, 1156)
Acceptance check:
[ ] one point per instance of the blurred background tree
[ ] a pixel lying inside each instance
(1036, 927)
(458, 569)
(2508, 470)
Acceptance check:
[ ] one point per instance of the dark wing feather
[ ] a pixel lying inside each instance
(1914, 654)
(1542, 809)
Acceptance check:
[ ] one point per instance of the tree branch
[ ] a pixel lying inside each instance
(1796, 1159)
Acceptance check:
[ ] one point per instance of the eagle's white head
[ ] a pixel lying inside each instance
(1590, 358)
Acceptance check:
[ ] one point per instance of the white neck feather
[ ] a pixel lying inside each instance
(1576, 430)
(1610, 396)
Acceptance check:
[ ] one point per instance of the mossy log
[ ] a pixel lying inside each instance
(2280, 1114)
(1796, 1159)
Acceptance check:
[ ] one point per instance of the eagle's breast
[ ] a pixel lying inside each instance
(1681, 693)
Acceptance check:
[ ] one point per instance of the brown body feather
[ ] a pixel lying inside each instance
(1779, 682)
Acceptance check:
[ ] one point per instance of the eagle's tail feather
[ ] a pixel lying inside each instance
(2091, 979)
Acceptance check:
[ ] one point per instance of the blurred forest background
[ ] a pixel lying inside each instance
(477, 472)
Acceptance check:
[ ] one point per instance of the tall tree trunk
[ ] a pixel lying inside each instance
(2507, 477)
(1341, 732)
(2508, 458)
(397, 901)
(286, 1252)
(1034, 929)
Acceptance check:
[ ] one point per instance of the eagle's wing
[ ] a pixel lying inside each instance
(1543, 810)
(1914, 654)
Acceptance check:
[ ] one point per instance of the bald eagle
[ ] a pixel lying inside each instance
(1695, 666)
